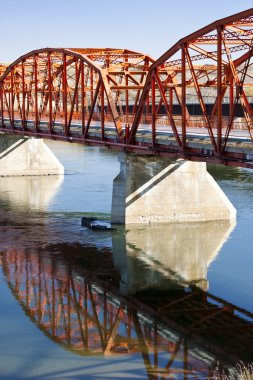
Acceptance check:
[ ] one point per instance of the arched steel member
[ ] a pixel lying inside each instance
(55, 91)
(210, 69)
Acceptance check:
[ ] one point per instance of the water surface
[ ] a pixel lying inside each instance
(131, 303)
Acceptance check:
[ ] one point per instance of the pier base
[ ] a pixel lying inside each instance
(153, 190)
(29, 157)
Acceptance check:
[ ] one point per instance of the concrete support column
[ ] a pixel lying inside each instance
(154, 190)
(29, 157)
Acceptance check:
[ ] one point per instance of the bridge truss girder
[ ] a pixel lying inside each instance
(214, 63)
(108, 96)
(49, 89)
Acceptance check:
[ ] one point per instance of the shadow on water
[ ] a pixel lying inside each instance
(140, 294)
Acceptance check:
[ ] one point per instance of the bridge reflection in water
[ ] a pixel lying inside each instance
(131, 303)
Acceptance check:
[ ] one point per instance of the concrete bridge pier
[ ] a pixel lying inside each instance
(28, 157)
(154, 190)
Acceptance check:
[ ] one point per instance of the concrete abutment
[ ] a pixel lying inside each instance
(29, 157)
(155, 190)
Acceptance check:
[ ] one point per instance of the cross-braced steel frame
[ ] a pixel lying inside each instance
(63, 92)
(212, 66)
(194, 102)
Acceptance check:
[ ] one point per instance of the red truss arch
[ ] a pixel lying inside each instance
(211, 69)
(62, 92)
(194, 102)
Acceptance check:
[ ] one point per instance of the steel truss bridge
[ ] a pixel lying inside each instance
(127, 100)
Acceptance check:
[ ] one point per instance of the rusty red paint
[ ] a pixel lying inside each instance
(76, 94)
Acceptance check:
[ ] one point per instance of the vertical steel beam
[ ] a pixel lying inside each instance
(8, 103)
(2, 104)
(138, 95)
(75, 98)
(91, 85)
(92, 107)
(28, 98)
(127, 99)
(171, 100)
(64, 93)
(172, 121)
(159, 106)
(183, 97)
(82, 95)
(219, 92)
(23, 96)
(12, 100)
(153, 112)
(147, 106)
(77, 94)
(102, 97)
(35, 64)
(201, 100)
(111, 106)
(231, 96)
(8, 100)
(50, 92)
(240, 94)
(127, 92)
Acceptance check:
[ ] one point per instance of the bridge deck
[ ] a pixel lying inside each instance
(239, 148)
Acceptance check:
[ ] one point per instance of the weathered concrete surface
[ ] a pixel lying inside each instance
(153, 190)
(166, 255)
(29, 157)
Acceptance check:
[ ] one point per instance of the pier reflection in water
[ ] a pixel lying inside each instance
(179, 252)
(30, 193)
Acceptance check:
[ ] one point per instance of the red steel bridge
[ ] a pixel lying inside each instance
(194, 102)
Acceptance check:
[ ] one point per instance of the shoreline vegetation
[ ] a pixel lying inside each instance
(241, 372)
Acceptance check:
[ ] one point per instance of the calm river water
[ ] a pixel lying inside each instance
(159, 302)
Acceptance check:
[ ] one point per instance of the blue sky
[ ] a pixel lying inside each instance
(148, 26)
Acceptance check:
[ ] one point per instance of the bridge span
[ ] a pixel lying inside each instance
(194, 102)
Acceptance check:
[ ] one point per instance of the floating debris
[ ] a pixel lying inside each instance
(96, 224)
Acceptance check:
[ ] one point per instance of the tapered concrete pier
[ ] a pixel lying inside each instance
(154, 190)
